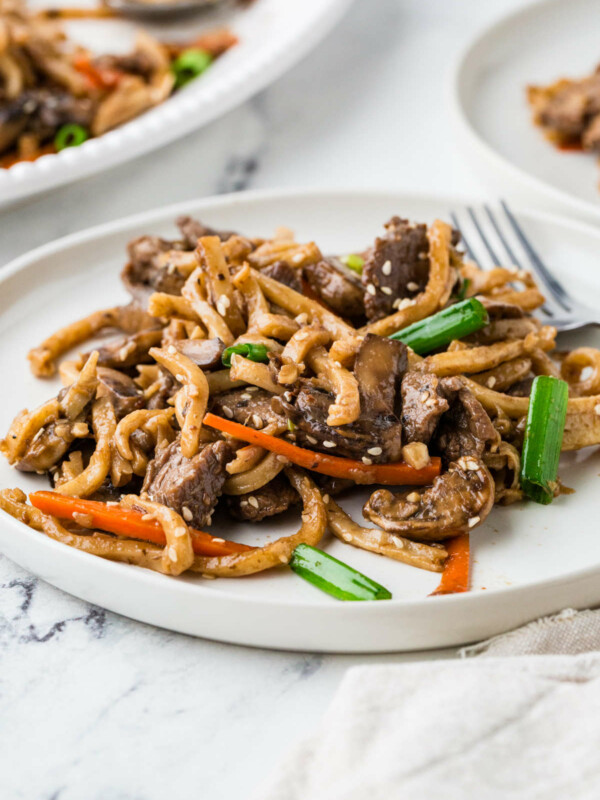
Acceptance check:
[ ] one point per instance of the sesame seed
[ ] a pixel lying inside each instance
(398, 543)
(413, 497)
(429, 403)
(325, 498)
(37, 436)
(288, 396)
(221, 308)
(253, 501)
(180, 378)
(173, 554)
(328, 444)
(246, 396)
(403, 303)
(208, 577)
(187, 514)
(282, 459)
(257, 421)
(228, 412)
(347, 537)
(412, 286)
(597, 409)
(375, 451)
(337, 364)
(387, 268)
(297, 259)
(225, 301)
(172, 349)
(473, 521)
(366, 460)
(218, 540)
(491, 382)
(252, 389)
(283, 559)
(424, 396)
(311, 439)
(180, 531)
(371, 289)
(386, 290)
(302, 319)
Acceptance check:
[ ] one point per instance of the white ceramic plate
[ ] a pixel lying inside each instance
(535, 45)
(528, 560)
(273, 35)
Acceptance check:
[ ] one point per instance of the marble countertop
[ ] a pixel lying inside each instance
(99, 707)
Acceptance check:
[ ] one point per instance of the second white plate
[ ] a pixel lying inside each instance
(535, 45)
(528, 560)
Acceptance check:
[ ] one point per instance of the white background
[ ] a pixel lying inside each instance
(96, 706)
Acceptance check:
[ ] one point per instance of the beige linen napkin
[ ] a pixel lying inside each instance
(486, 728)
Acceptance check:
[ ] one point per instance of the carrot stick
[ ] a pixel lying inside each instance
(456, 575)
(98, 78)
(396, 474)
(127, 522)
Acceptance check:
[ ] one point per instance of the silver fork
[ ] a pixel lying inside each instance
(505, 244)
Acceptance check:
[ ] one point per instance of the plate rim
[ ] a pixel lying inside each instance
(120, 145)
(473, 139)
(339, 612)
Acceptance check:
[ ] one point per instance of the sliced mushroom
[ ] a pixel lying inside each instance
(458, 501)
(121, 390)
(205, 353)
(379, 367)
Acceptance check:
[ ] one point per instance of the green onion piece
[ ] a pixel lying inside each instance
(70, 136)
(440, 329)
(255, 352)
(334, 577)
(543, 438)
(464, 288)
(291, 426)
(189, 65)
(354, 262)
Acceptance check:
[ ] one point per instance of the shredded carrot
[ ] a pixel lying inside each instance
(96, 77)
(127, 522)
(396, 474)
(456, 575)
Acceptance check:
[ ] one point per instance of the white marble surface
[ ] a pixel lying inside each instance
(97, 707)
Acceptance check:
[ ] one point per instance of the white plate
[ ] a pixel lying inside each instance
(528, 560)
(273, 36)
(535, 45)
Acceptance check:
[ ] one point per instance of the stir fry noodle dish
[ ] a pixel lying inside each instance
(252, 377)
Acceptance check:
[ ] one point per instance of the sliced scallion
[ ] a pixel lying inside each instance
(254, 352)
(334, 577)
(544, 430)
(454, 322)
(189, 65)
(354, 262)
(70, 136)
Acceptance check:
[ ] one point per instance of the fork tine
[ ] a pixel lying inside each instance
(483, 237)
(550, 283)
(511, 253)
(512, 257)
(464, 240)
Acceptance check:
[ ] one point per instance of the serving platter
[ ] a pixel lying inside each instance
(534, 45)
(527, 559)
(273, 36)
